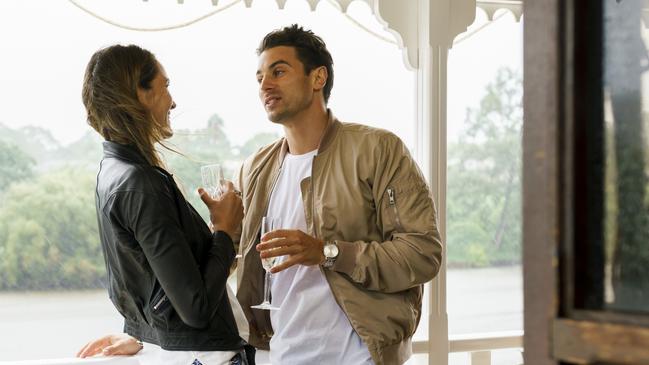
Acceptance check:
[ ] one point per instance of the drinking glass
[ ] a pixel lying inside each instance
(267, 225)
(213, 181)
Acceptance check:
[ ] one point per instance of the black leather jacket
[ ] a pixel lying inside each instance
(166, 271)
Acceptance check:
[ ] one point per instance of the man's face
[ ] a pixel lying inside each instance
(284, 89)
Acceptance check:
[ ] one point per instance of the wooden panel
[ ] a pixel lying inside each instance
(541, 226)
(583, 342)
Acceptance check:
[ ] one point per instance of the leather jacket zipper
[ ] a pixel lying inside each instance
(160, 302)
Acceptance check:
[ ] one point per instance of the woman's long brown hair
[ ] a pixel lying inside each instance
(109, 94)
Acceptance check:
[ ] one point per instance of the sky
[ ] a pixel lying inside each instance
(46, 44)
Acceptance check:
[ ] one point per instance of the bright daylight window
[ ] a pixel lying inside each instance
(484, 211)
(52, 296)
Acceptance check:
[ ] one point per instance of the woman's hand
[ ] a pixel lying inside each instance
(226, 210)
(119, 344)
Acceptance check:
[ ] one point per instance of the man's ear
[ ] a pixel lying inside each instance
(320, 78)
(144, 97)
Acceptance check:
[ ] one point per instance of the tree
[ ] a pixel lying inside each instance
(48, 233)
(15, 165)
(85, 152)
(36, 142)
(484, 178)
(209, 145)
(256, 142)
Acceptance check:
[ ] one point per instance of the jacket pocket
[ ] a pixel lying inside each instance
(160, 309)
(393, 210)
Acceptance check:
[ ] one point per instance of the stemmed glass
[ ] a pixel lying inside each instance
(213, 181)
(267, 225)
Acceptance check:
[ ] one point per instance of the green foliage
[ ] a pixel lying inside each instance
(15, 165)
(36, 142)
(484, 199)
(48, 233)
(190, 149)
(203, 147)
(257, 141)
(85, 152)
(48, 225)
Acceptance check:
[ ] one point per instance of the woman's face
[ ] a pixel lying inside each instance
(159, 101)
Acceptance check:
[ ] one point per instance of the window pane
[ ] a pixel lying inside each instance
(484, 279)
(626, 105)
(51, 268)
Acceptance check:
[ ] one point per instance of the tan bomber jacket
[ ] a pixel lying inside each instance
(367, 193)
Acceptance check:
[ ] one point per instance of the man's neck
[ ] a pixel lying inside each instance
(305, 131)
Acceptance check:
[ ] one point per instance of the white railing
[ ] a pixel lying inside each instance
(479, 345)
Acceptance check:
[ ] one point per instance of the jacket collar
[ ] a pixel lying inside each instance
(328, 136)
(330, 132)
(123, 152)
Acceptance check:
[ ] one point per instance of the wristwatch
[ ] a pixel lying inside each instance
(330, 252)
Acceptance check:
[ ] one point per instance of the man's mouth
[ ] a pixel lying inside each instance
(271, 101)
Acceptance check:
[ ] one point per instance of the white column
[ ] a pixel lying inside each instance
(438, 24)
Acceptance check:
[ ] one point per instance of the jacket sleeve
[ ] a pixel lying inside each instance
(412, 251)
(194, 292)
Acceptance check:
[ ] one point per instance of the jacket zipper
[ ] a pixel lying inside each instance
(160, 302)
(392, 201)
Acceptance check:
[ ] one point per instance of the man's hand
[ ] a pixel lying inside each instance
(119, 344)
(300, 248)
(226, 210)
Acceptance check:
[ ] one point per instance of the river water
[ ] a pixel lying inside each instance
(42, 325)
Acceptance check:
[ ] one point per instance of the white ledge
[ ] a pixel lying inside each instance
(478, 342)
(112, 360)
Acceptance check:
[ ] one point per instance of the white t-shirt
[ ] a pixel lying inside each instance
(309, 327)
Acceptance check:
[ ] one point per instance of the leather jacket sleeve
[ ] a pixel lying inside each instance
(412, 252)
(194, 291)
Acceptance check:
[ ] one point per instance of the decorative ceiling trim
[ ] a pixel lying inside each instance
(400, 20)
(491, 6)
(447, 19)
(344, 4)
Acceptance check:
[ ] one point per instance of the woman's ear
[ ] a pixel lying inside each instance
(144, 97)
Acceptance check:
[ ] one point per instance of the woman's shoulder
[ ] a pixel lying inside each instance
(132, 178)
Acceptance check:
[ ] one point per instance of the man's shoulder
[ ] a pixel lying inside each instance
(262, 155)
(358, 132)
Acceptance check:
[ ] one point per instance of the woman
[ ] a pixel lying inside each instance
(166, 270)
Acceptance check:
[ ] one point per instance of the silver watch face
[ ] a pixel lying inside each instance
(330, 250)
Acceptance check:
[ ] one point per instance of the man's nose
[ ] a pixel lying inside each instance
(265, 83)
(173, 105)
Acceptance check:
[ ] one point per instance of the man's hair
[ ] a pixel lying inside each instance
(311, 50)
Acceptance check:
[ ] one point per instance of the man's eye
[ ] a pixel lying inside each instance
(278, 72)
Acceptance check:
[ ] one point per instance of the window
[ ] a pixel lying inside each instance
(484, 180)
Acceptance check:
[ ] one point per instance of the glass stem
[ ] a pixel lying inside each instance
(267, 288)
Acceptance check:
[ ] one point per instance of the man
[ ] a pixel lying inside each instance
(360, 233)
